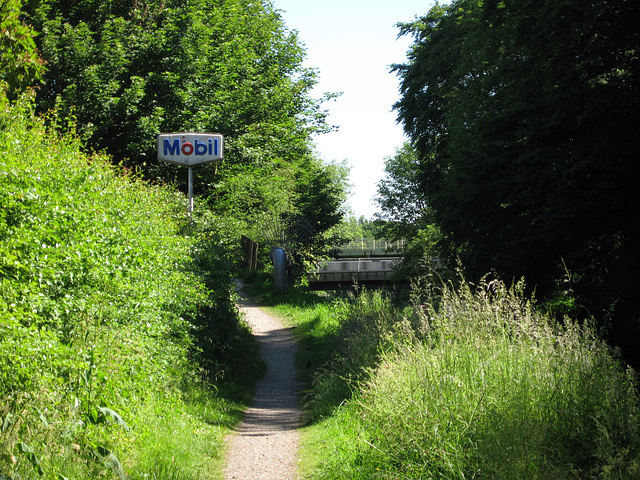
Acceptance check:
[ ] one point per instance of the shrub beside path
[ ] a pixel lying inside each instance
(265, 444)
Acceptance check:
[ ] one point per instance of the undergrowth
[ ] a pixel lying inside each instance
(340, 336)
(120, 346)
(473, 383)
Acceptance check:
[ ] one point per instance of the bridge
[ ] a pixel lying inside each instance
(361, 262)
(367, 262)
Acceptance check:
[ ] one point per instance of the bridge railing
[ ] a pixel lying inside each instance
(359, 265)
(371, 247)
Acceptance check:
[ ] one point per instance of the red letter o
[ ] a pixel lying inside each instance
(187, 148)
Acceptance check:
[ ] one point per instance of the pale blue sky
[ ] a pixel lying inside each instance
(352, 43)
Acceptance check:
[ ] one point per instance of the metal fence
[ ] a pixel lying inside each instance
(371, 247)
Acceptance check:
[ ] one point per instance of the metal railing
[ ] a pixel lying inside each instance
(371, 247)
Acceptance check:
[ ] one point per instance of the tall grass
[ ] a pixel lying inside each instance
(479, 384)
(116, 318)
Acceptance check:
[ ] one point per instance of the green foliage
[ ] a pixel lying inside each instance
(322, 193)
(20, 64)
(131, 71)
(341, 337)
(315, 320)
(403, 205)
(352, 228)
(184, 441)
(125, 73)
(425, 256)
(366, 325)
(104, 289)
(524, 116)
(299, 214)
(401, 198)
(478, 384)
(223, 349)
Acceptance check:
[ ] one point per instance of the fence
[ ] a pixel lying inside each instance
(371, 247)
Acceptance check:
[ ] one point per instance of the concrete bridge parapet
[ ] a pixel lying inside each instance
(356, 270)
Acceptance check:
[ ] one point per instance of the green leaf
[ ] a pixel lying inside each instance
(24, 448)
(110, 461)
(43, 419)
(8, 421)
(93, 416)
(108, 413)
(29, 454)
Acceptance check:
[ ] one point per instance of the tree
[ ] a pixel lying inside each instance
(526, 114)
(131, 69)
(400, 196)
(321, 193)
(403, 206)
(125, 71)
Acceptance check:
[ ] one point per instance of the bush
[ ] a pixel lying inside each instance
(103, 290)
(364, 327)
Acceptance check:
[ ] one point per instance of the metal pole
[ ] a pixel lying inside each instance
(190, 191)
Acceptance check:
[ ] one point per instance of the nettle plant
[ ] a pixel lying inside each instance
(96, 294)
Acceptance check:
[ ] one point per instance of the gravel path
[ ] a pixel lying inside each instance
(265, 444)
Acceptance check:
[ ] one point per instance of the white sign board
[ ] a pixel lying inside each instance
(190, 148)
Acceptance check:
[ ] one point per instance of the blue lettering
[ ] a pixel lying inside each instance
(172, 149)
(201, 148)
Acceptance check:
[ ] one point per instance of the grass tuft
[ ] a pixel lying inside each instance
(476, 384)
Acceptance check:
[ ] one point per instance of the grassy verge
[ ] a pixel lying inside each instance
(121, 351)
(475, 383)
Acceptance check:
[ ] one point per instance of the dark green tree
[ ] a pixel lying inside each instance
(404, 210)
(526, 115)
(125, 71)
(321, 193)
(400, 197)
(129, 70)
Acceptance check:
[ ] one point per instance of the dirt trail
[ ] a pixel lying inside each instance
(265, 444)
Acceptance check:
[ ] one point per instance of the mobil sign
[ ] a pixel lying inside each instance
(189, 148)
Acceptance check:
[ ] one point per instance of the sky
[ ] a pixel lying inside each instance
(352, 44)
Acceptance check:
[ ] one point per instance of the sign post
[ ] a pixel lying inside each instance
(190, 149)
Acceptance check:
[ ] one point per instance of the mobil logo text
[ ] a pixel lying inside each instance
(190, 148)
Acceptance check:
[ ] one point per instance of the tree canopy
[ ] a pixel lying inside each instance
(400, 196)
(131, 69)
(525, 116)
(124, 71)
